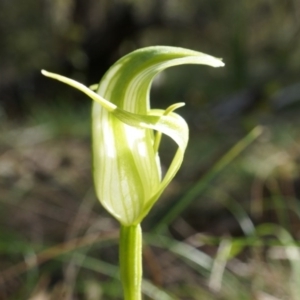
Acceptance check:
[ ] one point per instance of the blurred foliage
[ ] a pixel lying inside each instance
(239, 238)
(259, 41)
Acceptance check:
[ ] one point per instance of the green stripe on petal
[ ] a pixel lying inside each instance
(128, 81)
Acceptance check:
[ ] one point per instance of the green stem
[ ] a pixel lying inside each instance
(131, 261)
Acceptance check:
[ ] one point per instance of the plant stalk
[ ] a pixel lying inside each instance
(131, 261)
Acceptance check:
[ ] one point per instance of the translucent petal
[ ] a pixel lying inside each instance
(127, 171)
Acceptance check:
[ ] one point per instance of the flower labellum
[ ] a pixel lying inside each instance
(126, 131)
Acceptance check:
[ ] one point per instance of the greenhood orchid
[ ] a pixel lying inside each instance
(127, 171)
(126, 134)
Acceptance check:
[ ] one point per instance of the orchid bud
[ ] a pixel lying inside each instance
(126, 131)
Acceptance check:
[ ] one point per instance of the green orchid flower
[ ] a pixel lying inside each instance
(127, 171)
(126, 134)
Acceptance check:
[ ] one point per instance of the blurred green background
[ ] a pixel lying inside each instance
(228, 226)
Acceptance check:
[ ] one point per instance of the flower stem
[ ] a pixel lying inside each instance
(131, 261)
